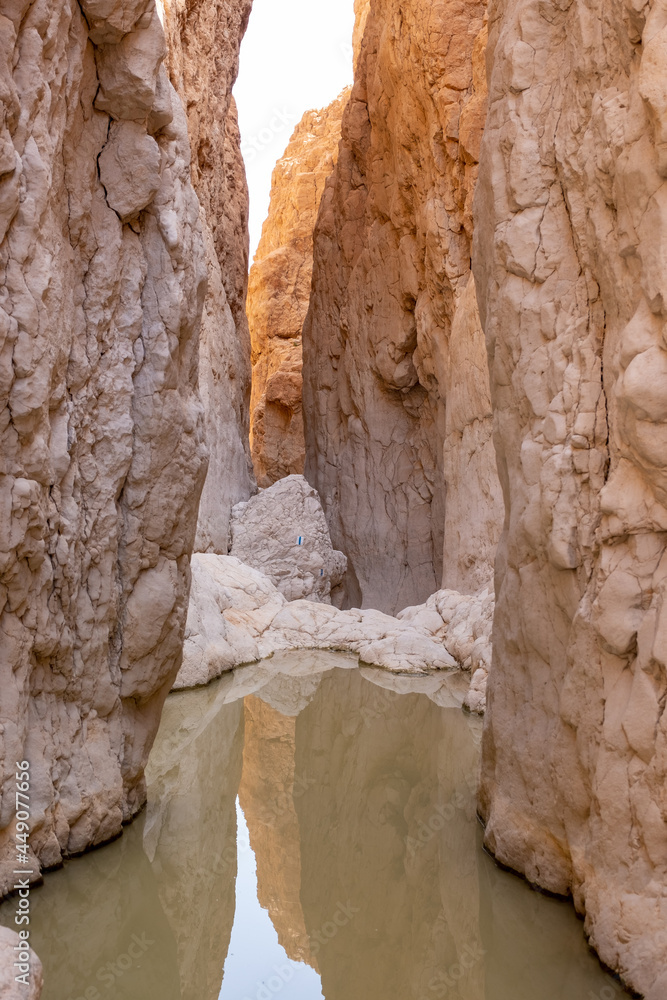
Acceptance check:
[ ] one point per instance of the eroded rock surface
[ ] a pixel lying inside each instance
(569, 259)
(203, 42)
(283, 533)
(279, 292)
(102, 428)
(395, 375)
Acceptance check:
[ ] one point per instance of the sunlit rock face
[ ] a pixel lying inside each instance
(569, 262)
(103, 278)
(398, 436)
(204, 41)
(279, 291)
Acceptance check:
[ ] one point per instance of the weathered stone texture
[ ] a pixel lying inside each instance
(569, 259)
(279, 292)
(101, 427)
(394, 432)
(238, 616)
(282, 532)
(204, 41)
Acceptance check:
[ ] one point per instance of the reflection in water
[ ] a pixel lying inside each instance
(268, 794)
(388, 830)
(257, 965)
(359, 793)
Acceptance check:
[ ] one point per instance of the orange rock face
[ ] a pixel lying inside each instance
(398, 436)
(279, 291)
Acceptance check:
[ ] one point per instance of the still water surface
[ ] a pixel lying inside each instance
(310, 835)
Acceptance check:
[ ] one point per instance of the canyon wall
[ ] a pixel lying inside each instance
(103, 267)
(571, 229)
(279, 292)
(203, 53)
(398, 435)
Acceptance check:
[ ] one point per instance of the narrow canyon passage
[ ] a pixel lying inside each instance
(312, 558)
(355, 868)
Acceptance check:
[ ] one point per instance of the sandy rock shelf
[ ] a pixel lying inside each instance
(237, 616)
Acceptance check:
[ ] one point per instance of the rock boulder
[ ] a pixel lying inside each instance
(283, 533)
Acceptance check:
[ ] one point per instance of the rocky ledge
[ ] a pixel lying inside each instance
(238, 616)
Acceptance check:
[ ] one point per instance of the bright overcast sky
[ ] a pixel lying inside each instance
(296, 55)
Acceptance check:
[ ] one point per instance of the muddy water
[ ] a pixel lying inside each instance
(310, 833)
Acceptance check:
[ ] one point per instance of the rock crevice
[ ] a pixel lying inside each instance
(279, 292)
(398, 436)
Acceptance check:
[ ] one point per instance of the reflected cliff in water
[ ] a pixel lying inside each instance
(360, 871)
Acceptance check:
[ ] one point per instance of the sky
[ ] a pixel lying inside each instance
(296, 55)
(257, 967)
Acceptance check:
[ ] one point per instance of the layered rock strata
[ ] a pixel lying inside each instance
(283, 533)
(570, 267)
(202, 61)
(238, 616)
(103, 280)
(398, 436)
(279, 292)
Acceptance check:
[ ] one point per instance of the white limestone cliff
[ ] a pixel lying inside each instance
(570, 230)
(103, 278)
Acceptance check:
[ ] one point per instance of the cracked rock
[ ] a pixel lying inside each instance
(130, 169)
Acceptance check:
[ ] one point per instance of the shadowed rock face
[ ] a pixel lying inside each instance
(204, 41)
(279, 292)
(103, 276)
(569, 261)
(398, 436)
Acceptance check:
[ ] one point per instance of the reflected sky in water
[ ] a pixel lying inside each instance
(310, 833)
(257, 966)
